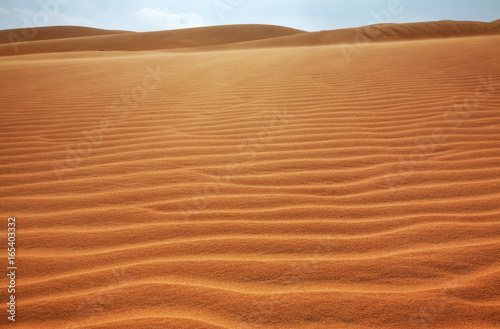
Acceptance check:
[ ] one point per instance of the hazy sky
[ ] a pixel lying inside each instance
(309, 15)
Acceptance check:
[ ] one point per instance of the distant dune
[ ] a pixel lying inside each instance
(133, 41)
(281, 184)
(64, 39)
(379, 32)
(52, 32)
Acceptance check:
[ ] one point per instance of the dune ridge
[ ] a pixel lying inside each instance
(377, 33)
(268, 186)
(52, 32)
(134, 41)
(60, 39)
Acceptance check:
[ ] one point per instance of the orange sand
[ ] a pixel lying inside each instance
(255, 178)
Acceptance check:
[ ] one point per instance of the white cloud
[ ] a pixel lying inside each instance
(164, 19)
(74, 20)
(4, 11)
(43, 18)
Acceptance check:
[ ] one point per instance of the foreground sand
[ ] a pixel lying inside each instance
(256, 187)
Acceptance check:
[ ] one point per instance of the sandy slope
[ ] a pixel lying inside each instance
(375, 33)
(51, 32)
(256, 188)
(235, 37)
(186, 38)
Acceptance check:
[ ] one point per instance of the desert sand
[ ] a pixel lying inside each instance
(253, 177)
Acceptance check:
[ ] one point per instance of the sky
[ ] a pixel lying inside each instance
(308, 15)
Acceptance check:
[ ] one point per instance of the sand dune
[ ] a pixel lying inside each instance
(186, 38)
(260, 187)
(57, 39)
(52, 32)
(378, 33)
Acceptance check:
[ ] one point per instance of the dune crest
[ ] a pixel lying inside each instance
(65, 39)
(52, 32)
(377, 33)
(134, 41)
